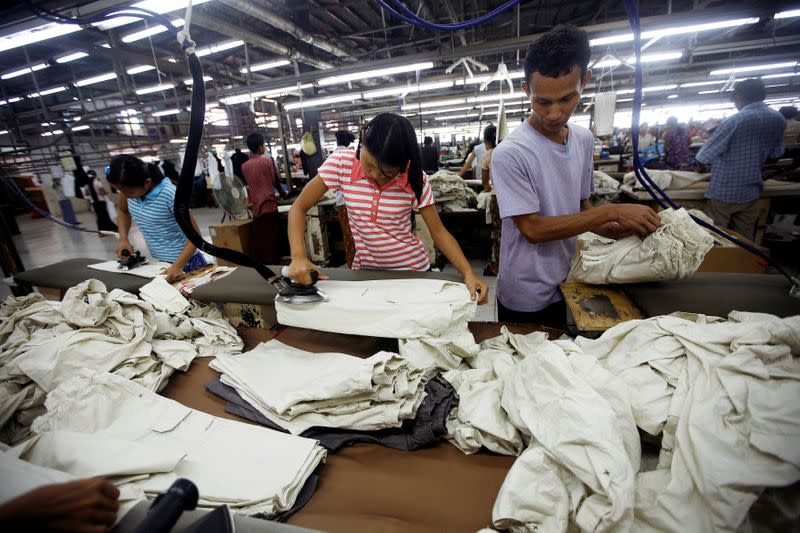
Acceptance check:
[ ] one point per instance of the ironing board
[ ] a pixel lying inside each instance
(69, 273)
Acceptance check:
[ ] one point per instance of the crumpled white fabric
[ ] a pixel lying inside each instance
(94, 418)
(485, 204)
(43, 343)
(164, 297)
(450, 191)
(667, 179)
(604, 181)
(675, 250)
(396, 308)
(298, 389)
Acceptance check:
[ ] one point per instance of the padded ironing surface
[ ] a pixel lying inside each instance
(69, 273)
(367, 487)
(246, 286)
(717, 294)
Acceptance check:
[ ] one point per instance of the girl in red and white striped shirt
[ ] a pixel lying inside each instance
(382, 182)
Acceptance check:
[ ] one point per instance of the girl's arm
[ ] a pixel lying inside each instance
(467, 164)
(300, 268)
(123, 226)
(451, 249)
(175, 270)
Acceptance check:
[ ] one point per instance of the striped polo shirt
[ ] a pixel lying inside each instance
(380, 217)
(153, 214)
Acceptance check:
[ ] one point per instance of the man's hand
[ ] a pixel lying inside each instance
(612, 230)
(634, 218)
(702, 169)
(85, 505)
(173, 272)
(124, 245)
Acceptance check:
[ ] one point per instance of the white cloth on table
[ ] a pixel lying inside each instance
(667, 179)
(298, 389)
(249, 468)
(398, 308)
(164, 297)
(675, 250)
(604, 181)
(44, 343)
(151, 269)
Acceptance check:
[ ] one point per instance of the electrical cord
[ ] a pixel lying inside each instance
(402, 12)
(659, 195)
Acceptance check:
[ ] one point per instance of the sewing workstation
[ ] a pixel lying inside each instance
(372, 266)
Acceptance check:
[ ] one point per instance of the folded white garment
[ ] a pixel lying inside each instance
(150, 269)
(164, 297)
(250, 468)
(675, 250)
(604, 181)
(298, 389)
(400, 309)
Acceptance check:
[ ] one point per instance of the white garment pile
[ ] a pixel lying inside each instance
(43, 343)
(451, 191)
(151, 269)
(102, 424)
(675, 250)
(722, 393)
(667, 179)
(604, 181)
(298, 389)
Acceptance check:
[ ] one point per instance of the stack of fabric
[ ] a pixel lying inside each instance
(451, 191)
(99, 424)
(675, 250)
(297, 390)
(667, 179)
(604, 182)
(430, 317)
(43, 343)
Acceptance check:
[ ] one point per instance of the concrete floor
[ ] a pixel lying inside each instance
(42, 243)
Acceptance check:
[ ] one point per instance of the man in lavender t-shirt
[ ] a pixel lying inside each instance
(543, 175)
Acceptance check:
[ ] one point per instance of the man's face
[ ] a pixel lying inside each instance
(553, 100)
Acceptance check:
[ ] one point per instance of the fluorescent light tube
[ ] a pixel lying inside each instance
(344, 78)
(96, 79)
(71, 57)
(752, 68)
(787, 14)
(190, 81)
(265, 66)
(23, 71)
(316, 102)
(149, 32)
(82, 127)
(139, 69)
(154, 88)
(166, 112)
(54, 90)
(214, 48)
(674, 30)
(411, 89)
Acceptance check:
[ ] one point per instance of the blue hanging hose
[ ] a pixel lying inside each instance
(402, 12)
(649, 185)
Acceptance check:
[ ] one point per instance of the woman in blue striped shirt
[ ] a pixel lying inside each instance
(147, 199)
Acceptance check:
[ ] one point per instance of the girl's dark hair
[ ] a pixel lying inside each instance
(392, 141)
(130, 171)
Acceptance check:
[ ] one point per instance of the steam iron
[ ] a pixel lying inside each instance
(294, 293)
(129, 262)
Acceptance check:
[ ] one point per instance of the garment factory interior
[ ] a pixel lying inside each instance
(400, 265)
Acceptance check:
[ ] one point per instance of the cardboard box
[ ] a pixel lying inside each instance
(733, 259)
(234, 234)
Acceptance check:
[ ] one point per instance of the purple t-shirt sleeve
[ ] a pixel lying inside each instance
(516, 194)
(587, 181)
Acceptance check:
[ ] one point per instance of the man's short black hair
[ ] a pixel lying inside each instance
(428, 140)
(750, 91)
(788, 112)
(255, 141)
(344, 138)
(556, 52)
(490, 133)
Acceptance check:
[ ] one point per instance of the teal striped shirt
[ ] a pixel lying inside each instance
(153, 214)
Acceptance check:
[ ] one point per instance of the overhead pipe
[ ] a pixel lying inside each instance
(276, 21)
(237, 32)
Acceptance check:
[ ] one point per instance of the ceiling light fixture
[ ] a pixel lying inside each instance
(791, 13)
(646, 58)
(82, 127)
(376, 73)
(752, 68)
(96, 79)
(154, 88)
(166, 112)
(701, 83)
(71, 57)
(54, 90)
(266, 66)
(10, 100)
(316, 102)
(221, 47)
(410, 89)
(139, 69)
(435, 103)
(674, 30)
(190, 81)
(149, 32)
(23, 71)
